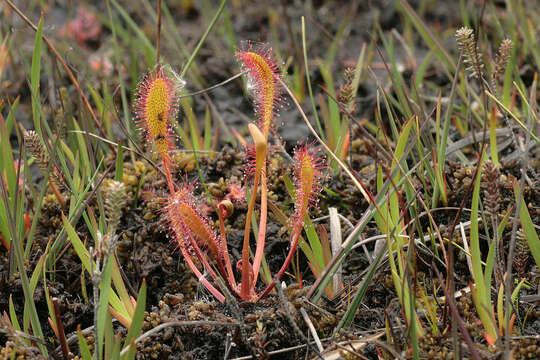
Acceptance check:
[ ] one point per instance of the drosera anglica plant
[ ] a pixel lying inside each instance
(156, 106)
(193, 232)
(264, 80)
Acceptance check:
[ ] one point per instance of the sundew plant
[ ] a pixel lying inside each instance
(361, 180)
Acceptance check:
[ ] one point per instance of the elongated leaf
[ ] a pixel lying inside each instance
(119, 173)
(121, 287)
(481, 291)
(110, 341)
(7, 169)
(117, 346)
(194, 131)
(528, 227)
(147, 45)
(207, 129)
(314, 242)
(83, 346)
(308, 81)
(513, 116)
(428, 35)
(78, 245)
(138, 317)
(348, 318)
(35, 75)
(476, 254)
(13, 315)
(195, 51)
(84, 256)
(103, 310)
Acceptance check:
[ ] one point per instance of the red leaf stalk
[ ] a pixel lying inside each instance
(307, 178)
(264, 81)
(155, 107)
(193, 233)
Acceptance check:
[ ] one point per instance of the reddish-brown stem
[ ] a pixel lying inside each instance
(223, 250)
(248, 285)
(167, 170)
(4, 242)
(60, 329)
(259, 251)
(246, 269)
(57, 193)
(201, 256)
(220, 256)
(200, 277)
(292, 250)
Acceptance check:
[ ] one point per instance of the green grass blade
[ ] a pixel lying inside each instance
(119, 172)
(513, 116)
(493, 139)
(110, 342)
(203, 38)
(148, 47)
(207, 129)
(13, 315)
(476, 254)
(482, 291)
(197, 79)
(117, 347)
(442, 145)
(84, 256)
(428, 35)
(314, 242)
(308, 81)
(121, 287)
(35, 76)
(103, 310)
(335, 115)
(194, 131)
(348, 318)
(528, 227)
(19, 261)
(117, 60)
(138, 317)
(83, 346)
(358, 69)
(77, 244)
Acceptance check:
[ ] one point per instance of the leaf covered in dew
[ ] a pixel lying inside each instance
(308, 174)
(156, 106)
(186, 221)
(263, 79)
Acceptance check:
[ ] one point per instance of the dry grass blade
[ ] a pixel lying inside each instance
(352, 346)
(336, 241)
(312, 329)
